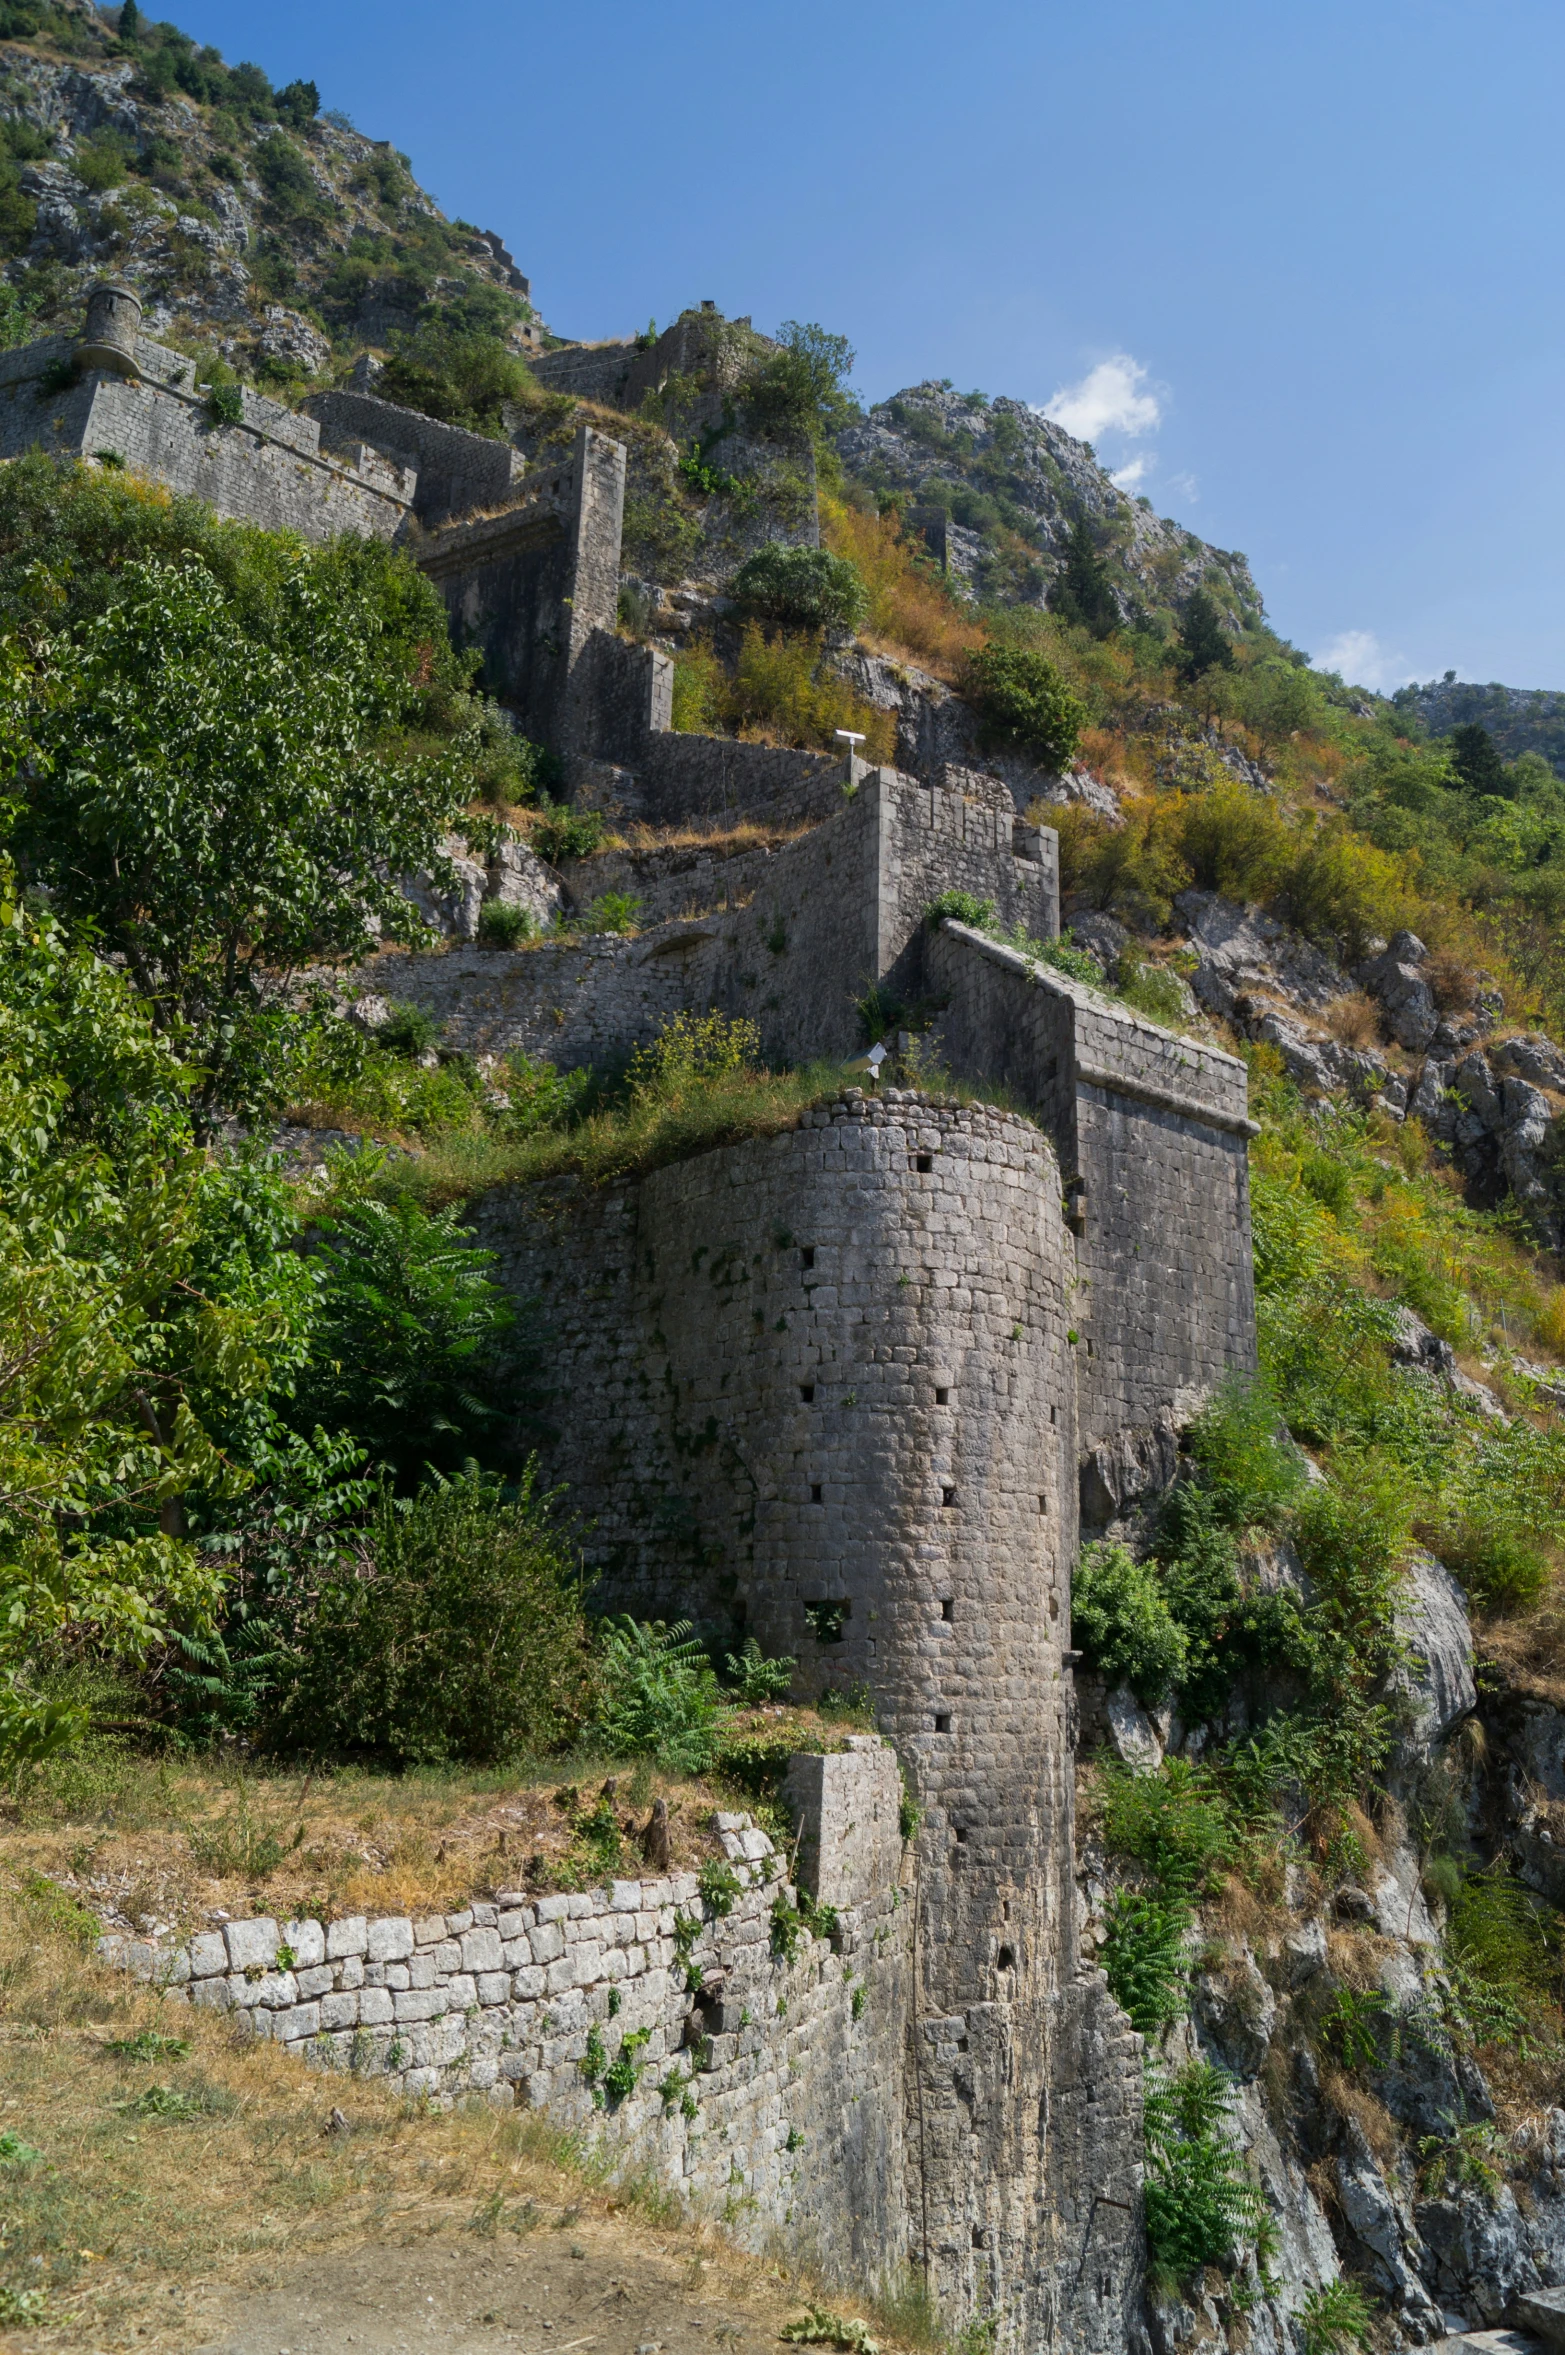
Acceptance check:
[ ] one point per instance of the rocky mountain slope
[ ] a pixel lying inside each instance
(996, 486)
(243, 216)
(1520, 719)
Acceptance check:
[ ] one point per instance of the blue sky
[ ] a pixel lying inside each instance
(1297, 266)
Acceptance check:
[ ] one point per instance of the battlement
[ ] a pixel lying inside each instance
(122, 397)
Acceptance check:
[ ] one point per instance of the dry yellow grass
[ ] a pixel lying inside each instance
(1354, 1019)
(912, 614)
(170, 1842)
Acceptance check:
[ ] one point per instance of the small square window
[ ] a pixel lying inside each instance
(942, 1721)
(1043, 1504)
(947, 1607)
(826, 1620)
(815, 1492)
(948, 1496)
(942, 1398)
(923, 1163)
(807, 1255)
(961, 1828)
(807, 1392)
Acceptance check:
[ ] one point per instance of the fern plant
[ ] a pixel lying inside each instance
(658, 1695)
(1336, 2319)
(1201, 2206)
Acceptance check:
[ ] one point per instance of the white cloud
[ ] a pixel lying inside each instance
(1186, 487)
(1109, 399)
(1362, 661)
(1131, 477)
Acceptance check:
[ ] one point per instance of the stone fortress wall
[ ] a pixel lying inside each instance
(1151, 1130)
(270, 468)
(819, 1387)
(830, 915)
(840, 1386)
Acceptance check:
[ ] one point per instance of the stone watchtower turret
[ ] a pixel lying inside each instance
(108, 340)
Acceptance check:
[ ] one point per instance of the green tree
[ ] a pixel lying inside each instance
(1022, 701)
(1081, 591)
(220, 810)
(414, 1347)
(1477, 762)
(803, 386)
(1204, 644)
(298, 104)
(146, 1312)
(463, 375)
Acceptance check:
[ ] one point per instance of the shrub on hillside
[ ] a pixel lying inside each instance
(1250, 1468)
(457, 375)
(459, 1635)
(1342, 892)
(658, 1696)
(801, 588)
(1122, 1622)
(689, 1050)
(1234, 841)
(1201, 2207)
(1024, 704)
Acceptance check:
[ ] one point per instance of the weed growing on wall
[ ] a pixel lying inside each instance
(1201, 2206)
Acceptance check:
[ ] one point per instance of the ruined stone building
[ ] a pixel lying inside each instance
(851, 1388)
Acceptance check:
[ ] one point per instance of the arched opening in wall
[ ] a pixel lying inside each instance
(1005, 1960)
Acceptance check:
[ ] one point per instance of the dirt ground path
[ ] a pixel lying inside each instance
(552, 2289)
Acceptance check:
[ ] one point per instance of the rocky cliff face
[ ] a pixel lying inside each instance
(1387, 2153)
(996, 487)
(239, 215)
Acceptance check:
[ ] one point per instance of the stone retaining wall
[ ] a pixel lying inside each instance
(761, 2088)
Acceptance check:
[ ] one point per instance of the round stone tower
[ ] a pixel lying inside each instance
(113, 323)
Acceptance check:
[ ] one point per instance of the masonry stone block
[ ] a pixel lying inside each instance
(390, 1939)
(208, 1954)
(481, 1951)
(251, 1943)
(847, 1808)
(348, 1936)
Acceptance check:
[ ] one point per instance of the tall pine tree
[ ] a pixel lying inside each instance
(1081, 591)
(1476, 760)
(1204, 644)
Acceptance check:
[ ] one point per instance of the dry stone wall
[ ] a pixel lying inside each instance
(761, 2087)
